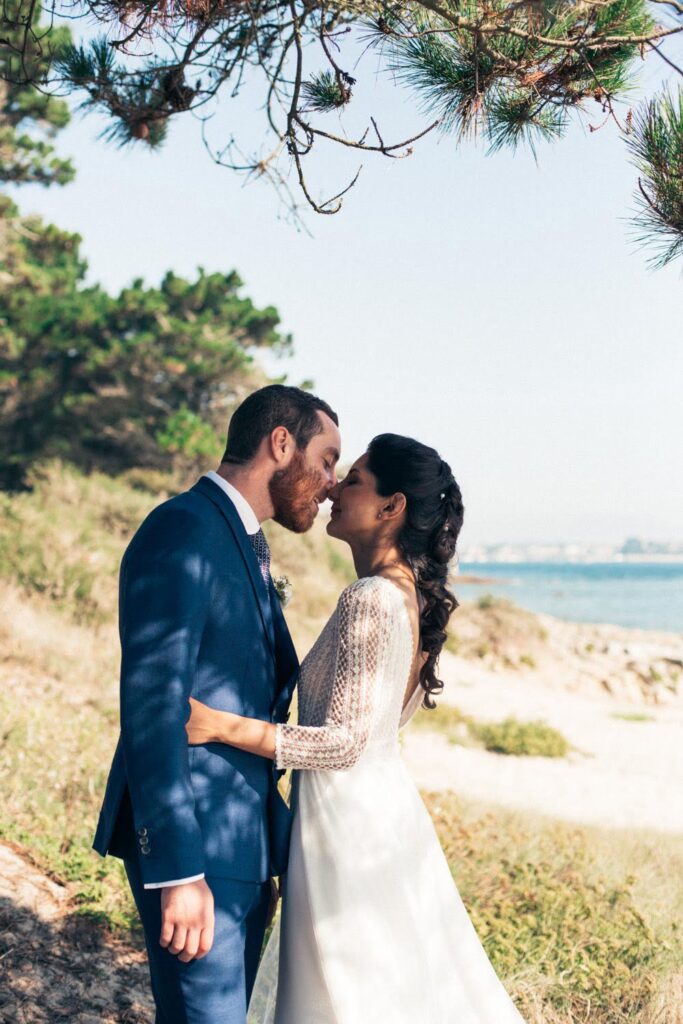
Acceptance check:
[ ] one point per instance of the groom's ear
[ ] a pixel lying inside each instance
(282, 445)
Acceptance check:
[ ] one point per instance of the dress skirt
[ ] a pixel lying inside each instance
(372, 927)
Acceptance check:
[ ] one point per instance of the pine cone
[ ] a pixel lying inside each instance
(140, 130)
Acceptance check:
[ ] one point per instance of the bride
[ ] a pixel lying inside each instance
(372, 926)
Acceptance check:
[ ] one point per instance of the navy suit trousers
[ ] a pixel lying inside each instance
(217, 988)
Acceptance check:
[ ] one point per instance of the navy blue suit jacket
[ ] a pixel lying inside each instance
(196, 619)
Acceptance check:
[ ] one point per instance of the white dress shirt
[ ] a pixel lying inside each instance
(244, 509)
(252, 526)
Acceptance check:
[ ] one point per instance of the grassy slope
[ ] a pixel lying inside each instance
(580, 923)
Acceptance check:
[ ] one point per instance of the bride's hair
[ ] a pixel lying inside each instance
(434, 516)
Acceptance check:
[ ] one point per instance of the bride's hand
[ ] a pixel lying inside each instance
(207, 725)
(201, 725)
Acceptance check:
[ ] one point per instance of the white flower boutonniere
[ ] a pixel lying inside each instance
(283, 589)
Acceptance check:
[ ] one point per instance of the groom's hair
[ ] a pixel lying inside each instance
(276, 405)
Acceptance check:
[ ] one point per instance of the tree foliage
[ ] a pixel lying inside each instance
(140, 378)
(656, 141)
(144, 378)
(29, 117)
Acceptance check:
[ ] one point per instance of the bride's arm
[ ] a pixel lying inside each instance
(207, 725)
(338, 744)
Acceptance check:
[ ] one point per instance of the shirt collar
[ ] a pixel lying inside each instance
(244, 509)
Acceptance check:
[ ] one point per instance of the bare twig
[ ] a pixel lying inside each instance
(360, 144)
(667, 60)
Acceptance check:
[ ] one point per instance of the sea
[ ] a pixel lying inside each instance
(634, 594)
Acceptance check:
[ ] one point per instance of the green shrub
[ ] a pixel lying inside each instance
(187, 434)
(532, 739)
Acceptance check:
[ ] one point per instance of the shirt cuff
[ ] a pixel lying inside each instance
(175, 881)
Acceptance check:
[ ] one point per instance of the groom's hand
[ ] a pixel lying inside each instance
(187, 920)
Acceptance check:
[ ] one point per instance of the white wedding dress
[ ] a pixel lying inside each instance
(372, 930)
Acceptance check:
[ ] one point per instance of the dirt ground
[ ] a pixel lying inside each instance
(56, 966)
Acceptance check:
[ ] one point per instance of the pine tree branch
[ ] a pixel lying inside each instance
(513, 70)
(494, 28)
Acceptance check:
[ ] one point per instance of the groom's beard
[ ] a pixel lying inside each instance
(293, 491)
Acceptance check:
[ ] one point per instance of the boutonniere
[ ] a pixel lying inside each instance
(283, 589)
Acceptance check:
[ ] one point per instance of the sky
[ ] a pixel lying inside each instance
(493, 307)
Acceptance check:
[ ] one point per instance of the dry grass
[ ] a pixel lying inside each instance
(63, 540)
(58, 706)
(583, 924)
(498, 632)
(556, 907)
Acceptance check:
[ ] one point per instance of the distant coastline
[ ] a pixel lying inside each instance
(616, 559)
(633, 550)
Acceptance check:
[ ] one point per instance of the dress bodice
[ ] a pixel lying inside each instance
(353, 682)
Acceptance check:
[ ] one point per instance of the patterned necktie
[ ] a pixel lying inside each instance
(260, 546)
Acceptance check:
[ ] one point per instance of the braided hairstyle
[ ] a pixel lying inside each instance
(434, 516)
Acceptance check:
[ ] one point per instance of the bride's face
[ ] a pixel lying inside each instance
(356, 505)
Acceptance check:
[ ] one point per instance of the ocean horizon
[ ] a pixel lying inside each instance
(640, 595)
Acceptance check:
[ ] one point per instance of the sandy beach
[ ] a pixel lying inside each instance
(622, 772)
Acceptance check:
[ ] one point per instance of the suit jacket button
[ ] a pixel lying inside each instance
(142, 832)
(144, 849)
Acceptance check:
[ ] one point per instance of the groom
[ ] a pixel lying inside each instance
(202, 830)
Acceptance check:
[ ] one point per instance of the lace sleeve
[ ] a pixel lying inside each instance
(361, 647)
